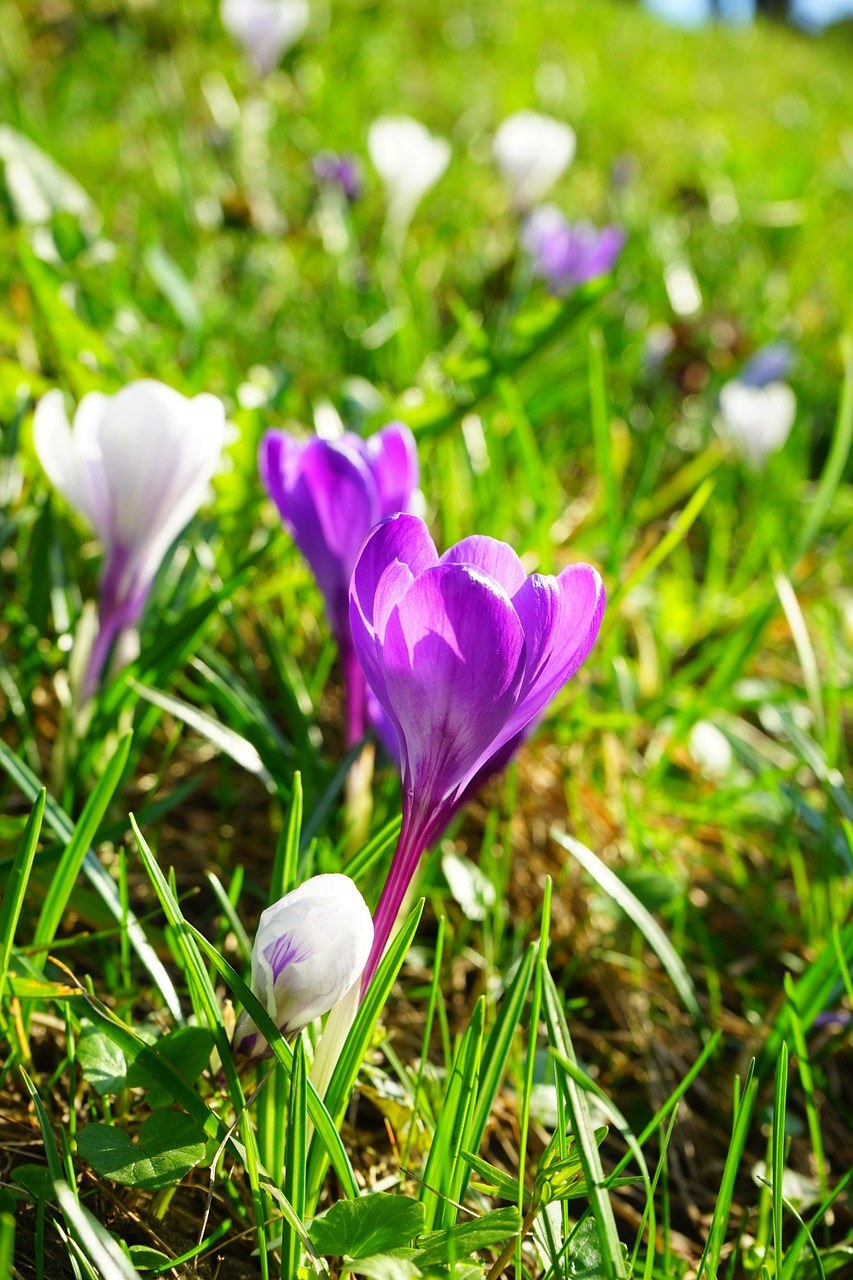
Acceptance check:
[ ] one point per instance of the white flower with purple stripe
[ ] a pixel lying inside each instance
(309, 951)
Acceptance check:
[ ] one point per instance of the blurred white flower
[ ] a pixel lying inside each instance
(265, 29)
(408, 159)
(309, 952)
(531, 151)
(757, 420)
(137, 466)
(710, 748)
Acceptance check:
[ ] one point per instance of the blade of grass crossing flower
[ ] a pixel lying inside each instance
(804, 1068)
(60, 823)
(778, 1152)
(16, 885)
(340, 1087)
(444, 1165)
(64, 877)
(585, 1141)
(636, 912)
(320, 1118)
(743, 1109)
(295, 1158)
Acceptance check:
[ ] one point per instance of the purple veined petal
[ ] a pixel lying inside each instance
(573, 632)
(398, 540)
(454, 660)
(494, 558)
(392, 457)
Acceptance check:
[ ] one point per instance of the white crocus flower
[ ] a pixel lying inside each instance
(409, 160)
(710, 748)
(309, 952)
(531, 151)
(266, 29)
(757, 420)
(137, 466)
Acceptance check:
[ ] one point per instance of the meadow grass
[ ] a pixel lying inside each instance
(612, 1036)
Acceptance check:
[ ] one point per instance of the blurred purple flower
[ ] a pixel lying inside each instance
(464, 652)
(771, 363)
(566, 254)
(340, 172)
(330, 494)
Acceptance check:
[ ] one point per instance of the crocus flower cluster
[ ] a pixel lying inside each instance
(532, 151)
(566, 254)
(265, 29)
(309, 951)
(137, 466)
(330, 494)
(464, 651)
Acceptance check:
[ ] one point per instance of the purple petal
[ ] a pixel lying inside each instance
(580, 608)
(454, 658)
(392, 457)
(491, 557)
(327, 498)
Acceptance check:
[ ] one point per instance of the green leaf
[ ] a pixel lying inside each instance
(188, 1049)
(466, 1238)
(144, 1258)
(101, 1060)
(372, 1224)
(493, 1181)
(385, 1266)
(16, 885)
(169, 1144)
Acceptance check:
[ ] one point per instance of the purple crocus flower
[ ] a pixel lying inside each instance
(464, 652)
(339, 172)
(566, 254)
(330, 494)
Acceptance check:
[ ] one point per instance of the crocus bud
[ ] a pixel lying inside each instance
(137, 466)
(531, 151)
(566, 255)
(408, 159)
(265, 29)
(757, 420)
(309, 951)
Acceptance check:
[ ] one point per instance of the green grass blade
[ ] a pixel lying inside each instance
(60, 823)
(636, 912)
(833, 471)
(804, 1067)
(585, 1141)
(295, 1158)
(778, 1153)
(16, 885)
(745, 1105)
(93, 1238)
(286, 862)
(65, 876)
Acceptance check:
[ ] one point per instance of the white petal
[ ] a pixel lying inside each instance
(67, 456)
(758, 420)
(531, 151)
(266, 29)
(710, 748)
(310, 949)
(408, 159)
